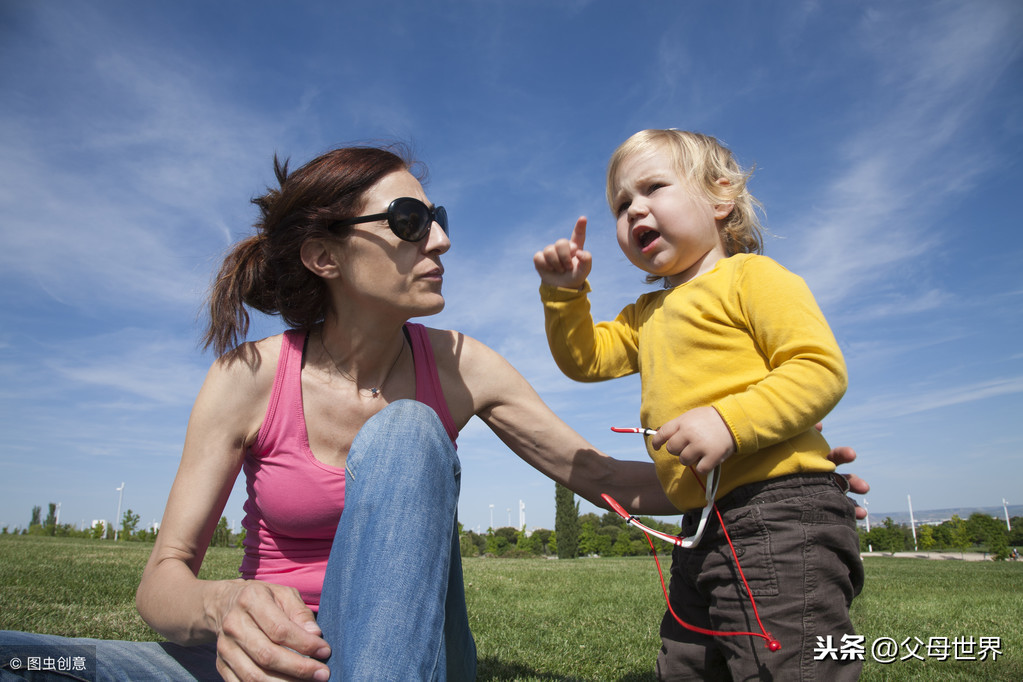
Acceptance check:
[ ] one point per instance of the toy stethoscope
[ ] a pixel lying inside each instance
(710, 489)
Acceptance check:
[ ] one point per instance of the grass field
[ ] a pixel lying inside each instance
(539, 620)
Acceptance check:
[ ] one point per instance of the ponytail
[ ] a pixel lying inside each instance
(240, 281)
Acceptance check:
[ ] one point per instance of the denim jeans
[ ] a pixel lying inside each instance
(796, 541)
(393, 602)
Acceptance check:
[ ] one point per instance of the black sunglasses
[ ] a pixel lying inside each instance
(409, 219)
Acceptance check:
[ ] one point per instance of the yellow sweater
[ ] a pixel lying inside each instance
(746, 338)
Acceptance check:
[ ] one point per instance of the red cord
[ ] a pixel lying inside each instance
(772, 644)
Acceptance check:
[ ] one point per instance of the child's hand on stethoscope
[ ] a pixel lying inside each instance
(699, 437)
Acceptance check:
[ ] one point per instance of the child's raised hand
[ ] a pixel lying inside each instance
(565, 263)
(699, 437)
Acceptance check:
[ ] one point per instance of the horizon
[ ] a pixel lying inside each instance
(1013, 511)
(134, 136)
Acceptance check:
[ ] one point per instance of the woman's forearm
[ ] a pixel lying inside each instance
(181, 607)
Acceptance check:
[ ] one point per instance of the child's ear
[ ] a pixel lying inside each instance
(319, 259)
(722, 211)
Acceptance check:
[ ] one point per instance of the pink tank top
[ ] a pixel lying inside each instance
(294, 500)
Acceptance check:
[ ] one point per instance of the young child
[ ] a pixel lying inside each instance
(737, 365)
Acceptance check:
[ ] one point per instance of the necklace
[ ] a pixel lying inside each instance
(375, 390)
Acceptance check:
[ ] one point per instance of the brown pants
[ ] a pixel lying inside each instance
(795, 537)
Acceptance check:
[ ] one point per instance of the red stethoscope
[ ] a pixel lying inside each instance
(710, 489)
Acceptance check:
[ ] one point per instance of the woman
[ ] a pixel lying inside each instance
(354, 409)
(348, 251)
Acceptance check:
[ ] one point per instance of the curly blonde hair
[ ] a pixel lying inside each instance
(702, 160)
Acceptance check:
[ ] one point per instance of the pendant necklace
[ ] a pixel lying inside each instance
(375, 390)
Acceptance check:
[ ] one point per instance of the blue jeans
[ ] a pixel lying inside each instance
(393, 602)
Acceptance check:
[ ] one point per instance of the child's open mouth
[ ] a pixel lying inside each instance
(646, 238)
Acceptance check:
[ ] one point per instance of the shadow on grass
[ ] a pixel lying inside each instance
(491, 669)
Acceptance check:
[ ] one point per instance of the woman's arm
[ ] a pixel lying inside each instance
(478, 381)
(255, 624)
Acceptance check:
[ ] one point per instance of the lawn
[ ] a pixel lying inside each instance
(540, 620)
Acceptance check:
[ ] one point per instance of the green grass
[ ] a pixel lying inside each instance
(539, 620)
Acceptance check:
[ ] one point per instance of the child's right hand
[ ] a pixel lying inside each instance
(565, 263)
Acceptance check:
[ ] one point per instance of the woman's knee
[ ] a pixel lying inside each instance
(410, 416)
(407, 434)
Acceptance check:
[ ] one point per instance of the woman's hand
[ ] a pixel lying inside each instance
(263, 631)
(268, 633)
(844, 455)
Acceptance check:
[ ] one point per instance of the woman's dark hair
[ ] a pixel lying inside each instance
(265, 271)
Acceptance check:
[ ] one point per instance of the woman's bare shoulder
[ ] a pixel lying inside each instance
(455, 349)
(254, 358)
(237, 388)
(246, 372)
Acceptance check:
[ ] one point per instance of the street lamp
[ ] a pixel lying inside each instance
(912, 522)
(870, 545)
(120, 496)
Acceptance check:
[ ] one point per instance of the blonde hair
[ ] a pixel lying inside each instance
(701, 160)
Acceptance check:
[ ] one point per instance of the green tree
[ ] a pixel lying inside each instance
(587, 537)
(1016, 534)
(51, 520)
(36, 517)
(469, 544)
(889, 537)
(508, 533)
(622, 545)
(129, 522)
(864, 539)
(98, 531)
(221, 534)
(990, 532)
(566, 522)
(525, 543)
(541, 541)
(67, 530)
(611, 519)
(959, 536)
(981, 527)
(925, 536)
(497, 544)
(943, 535)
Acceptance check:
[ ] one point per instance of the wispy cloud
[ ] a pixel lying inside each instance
(139, 185)
(925, 398)
(912, 145)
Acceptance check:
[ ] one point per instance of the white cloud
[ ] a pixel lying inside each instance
(911, 151)
(924, 397)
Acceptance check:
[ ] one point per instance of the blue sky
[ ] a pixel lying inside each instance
(886, 138)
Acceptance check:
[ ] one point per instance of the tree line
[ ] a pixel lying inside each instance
(978, 533)
(128, 531)
(574, 535)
